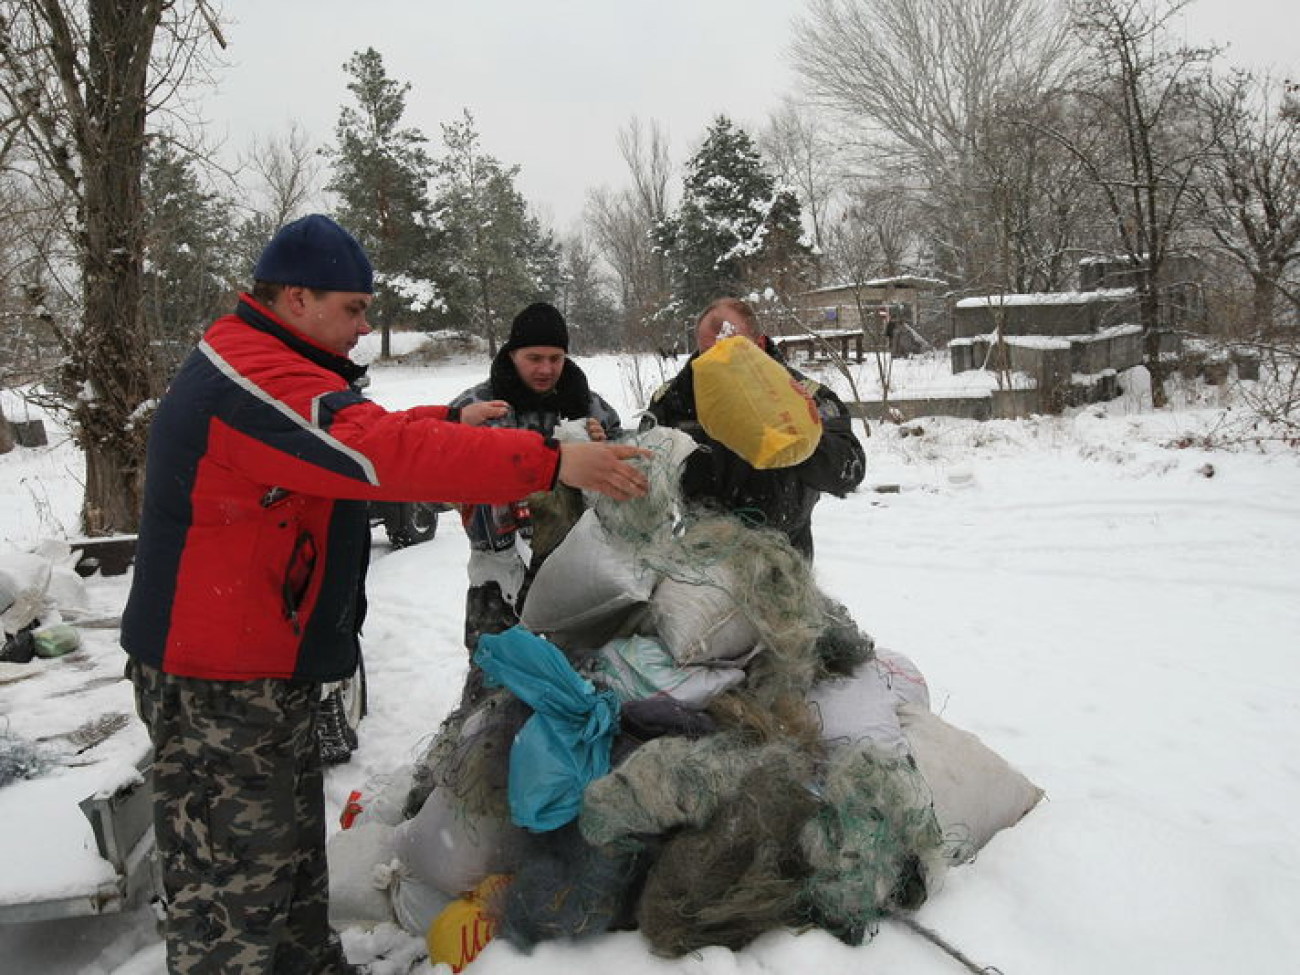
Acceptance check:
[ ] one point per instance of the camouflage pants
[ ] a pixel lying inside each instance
(240, 825)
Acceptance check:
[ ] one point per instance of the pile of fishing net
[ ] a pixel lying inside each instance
(703, 747)
(19, 759)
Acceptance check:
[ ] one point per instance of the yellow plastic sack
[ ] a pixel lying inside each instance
(465, 926)
(747, 401)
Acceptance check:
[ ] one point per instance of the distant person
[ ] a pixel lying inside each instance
(249, 582)
(532, 385)
(780, 498)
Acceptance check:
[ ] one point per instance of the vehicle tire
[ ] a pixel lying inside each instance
(343, 705)
(411, 522)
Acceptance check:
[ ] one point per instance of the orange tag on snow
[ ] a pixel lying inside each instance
(351, 810)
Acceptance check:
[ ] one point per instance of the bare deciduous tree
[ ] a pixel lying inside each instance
(287, 172)
(1142, 141)
(1034, 206)
(921, 71)
(281, 176)
(585, 298)
(622, 225)
(1252, 183)
(916, 82)
(801, 147)
(875, 235)
(32, 263)
(80, 80)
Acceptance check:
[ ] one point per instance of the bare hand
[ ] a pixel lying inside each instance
(594, 430)
(603, 468)
(473, 414)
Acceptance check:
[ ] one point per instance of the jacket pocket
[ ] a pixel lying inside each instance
(297, 578)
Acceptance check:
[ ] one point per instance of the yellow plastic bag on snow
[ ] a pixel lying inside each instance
(747, 401)
(465, 926)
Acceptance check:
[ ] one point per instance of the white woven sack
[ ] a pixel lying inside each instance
(383, 797)
(975, 792)
(33, 587)
(670, 447)
(586, 588)
(416, 903)
(448, 848)
(864, 704)
(700, 622)
(359, 860)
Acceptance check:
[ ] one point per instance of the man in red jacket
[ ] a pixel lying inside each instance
(248, 590)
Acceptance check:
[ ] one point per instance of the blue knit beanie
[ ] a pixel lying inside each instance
(315, 252)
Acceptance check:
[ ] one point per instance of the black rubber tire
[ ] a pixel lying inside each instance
(341, 710)
(356, 700)
(411, 522)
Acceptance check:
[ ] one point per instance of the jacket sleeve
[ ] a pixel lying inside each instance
(839, 463)
(607, 415)
(323, 438)
(475, 394)
(665, 408)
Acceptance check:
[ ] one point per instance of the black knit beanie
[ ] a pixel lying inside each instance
(538, 324)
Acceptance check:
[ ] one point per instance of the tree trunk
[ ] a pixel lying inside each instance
(1263, 301)
(1149, 306)
(6, 434)
(109, 363)
(114, 482)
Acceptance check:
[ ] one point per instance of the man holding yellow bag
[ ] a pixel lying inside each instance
(774, 440)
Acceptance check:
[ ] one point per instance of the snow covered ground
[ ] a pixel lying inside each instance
(1115, 615)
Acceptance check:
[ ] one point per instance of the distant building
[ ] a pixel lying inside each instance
(1072, 344)
(1056, 313)
(1107, 298)
(906, 300)
(1181, 283)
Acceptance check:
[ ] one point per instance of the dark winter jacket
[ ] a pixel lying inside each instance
(254, 539)
(781, 498)
(491, 527)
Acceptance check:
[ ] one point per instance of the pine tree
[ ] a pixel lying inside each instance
(188, 248)
(737, 230)
(499, 257)
(381, 172)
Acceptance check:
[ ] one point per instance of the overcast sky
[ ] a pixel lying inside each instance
(550, 82)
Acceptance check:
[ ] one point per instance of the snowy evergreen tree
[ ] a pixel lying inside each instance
(381, 172)
(188, 249)
(737, 230)
(499, 258)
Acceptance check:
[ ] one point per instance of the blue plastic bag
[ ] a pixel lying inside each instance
(566, 743)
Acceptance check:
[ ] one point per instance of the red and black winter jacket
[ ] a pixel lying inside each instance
(254, 540)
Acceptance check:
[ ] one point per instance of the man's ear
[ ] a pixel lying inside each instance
(292, 303)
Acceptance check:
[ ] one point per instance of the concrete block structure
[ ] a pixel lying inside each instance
(1049, 313)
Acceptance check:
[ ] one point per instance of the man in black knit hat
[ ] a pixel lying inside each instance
(533, 385)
